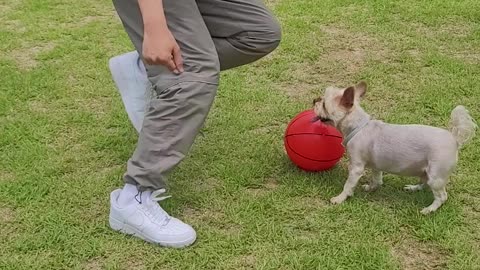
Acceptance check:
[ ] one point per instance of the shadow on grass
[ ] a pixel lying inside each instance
(330, 183)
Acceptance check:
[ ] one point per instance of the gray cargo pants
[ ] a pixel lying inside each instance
(213, 35)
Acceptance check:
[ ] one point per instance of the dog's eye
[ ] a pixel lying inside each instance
(324, 108)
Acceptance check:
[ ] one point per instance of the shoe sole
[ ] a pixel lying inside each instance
(120, 226)
(135, 119)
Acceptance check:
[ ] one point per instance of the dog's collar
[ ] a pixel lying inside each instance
(354, 132)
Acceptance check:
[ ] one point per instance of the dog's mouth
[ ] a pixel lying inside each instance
(322, 119)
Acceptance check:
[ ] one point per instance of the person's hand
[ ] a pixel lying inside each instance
(161, 48)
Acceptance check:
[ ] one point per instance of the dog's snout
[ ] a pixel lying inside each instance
(323, 119)
(315, 119)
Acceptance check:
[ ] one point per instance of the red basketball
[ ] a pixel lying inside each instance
(313, 145)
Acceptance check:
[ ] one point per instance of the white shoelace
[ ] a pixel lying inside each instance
(156, 195)
(153, 208)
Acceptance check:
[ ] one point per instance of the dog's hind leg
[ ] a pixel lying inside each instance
(440, 196)
(375, 182)
(437, 182)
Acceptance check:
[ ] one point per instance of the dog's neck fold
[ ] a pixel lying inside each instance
(353, 123)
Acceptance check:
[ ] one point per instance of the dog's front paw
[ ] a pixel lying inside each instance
(427, 210)
(370, 187)
(338, 199)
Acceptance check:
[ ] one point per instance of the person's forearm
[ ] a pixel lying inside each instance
(159, 45)
(153, 15)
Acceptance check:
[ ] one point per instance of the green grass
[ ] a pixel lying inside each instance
(65, 138)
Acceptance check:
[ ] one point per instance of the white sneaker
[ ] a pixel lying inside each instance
(144, 218)
(130, 77)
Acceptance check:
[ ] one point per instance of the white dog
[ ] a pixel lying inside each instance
(426, 152)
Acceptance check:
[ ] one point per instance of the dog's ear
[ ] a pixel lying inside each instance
(348, 97)
(360, 89)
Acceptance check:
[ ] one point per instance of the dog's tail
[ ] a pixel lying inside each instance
(462, 125)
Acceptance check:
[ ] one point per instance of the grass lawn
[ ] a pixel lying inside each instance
(65, 138)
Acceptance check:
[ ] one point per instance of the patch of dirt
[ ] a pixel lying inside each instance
(4, 8)
(209, 184)
(303, 90)
(271, 128)
(443, 34)
(344, 54)
(456, 29)
(6, 176)
(414, 53)
(93, 264)
(88, 19)
(261, 190)
(98, 105)
(16, 26)
(471, 206)
(244, 262)
(6, 215)
(471, 214)
(10, 25)
(37, 106)
(204, 215)
(413, 254)
(271, 183)
(7, 6)
(212, 217)
(66, 141)
(26, 57)
(351, 49)
(135, 265)
(467, 55)
(353, 10)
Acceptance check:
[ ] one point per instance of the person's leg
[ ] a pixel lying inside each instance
(177, 112)
(172, 120)
(243, 31)
(182, 102)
